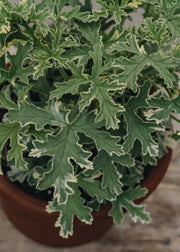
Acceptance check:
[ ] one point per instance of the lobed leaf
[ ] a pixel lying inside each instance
(11, 131)
(125, 200)
(73, 207)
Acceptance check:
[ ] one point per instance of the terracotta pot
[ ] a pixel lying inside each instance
(28, 213)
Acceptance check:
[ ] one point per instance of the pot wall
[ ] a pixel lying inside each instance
(28, 213)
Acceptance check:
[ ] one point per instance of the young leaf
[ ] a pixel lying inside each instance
(155, 31)
(54, 5)
(39, 18)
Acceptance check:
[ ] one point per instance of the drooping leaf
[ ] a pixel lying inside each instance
(11, 131)
(64, 146)
(111, 176)
(125, 200)
(73, 207)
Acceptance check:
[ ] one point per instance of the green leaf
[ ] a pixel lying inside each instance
(131, 45)
(17, 70)
(137, 128)
(11, 131)
(125, 200)
(90, 32)
(72, 85)
(96, 15)
(103, 140)
(99, 90)
(108, 108)
(94, 189)
(40, 135)
(50, 55)
(22, 175)
(73, 207)
(114, 8)
(162, 64)
(30, 114)
(111, 177)
(54, 5)
(62, 147)
(81, 53)
(162, 107)
(4, 19)
(174, 26)
(131, 68)
(72, 13)
(39, 18)
(155, 31)
(5, 99)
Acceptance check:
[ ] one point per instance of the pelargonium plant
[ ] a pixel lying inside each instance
(86, 101)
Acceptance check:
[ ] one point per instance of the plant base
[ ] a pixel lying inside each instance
(28, 213)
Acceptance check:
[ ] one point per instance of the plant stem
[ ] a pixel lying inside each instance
(174, 118)
(2, 62)
(147, 9)
(33, 89)
(63, 74)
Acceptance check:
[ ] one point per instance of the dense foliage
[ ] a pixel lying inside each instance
(87, 100)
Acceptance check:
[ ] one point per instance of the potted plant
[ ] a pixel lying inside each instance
(86, 109)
